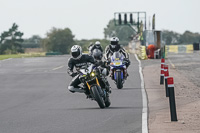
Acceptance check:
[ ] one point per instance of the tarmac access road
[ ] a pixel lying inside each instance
(184, 68)
(34, 99)
(187, 64)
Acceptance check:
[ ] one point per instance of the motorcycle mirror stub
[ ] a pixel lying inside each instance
(104, 72)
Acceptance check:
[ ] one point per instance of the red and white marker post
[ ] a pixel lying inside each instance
(162, 71)
(166, 72)
(170, 82)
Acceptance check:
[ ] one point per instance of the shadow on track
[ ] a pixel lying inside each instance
(126, 89)
(96, 108)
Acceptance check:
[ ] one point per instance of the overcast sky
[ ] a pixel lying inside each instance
(88, 18)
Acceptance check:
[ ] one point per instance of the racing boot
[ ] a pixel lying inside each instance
(107, 100)
(108, 88)
(111, 74)
(73, 89)
(125, 73)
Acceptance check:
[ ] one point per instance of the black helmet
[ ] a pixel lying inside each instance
(97, 54)
(76, 52)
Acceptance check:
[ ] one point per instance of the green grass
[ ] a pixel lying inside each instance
(2, 57)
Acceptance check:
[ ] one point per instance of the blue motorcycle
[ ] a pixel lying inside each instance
(118, 69)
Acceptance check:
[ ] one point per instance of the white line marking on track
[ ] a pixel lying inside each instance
(171, 63)
(57, 68)
(144, 100)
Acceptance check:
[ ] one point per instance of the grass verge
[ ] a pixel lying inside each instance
(2, 57)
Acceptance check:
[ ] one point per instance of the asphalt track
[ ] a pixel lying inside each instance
(34, 99)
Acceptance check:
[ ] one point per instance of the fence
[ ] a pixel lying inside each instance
(179, 48)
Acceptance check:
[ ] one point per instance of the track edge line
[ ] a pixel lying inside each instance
(144, 100)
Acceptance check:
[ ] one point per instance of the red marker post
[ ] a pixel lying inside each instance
(170, 82)
(162, 71)
(166, 72)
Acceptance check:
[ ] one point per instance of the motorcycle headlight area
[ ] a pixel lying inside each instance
(92, 74)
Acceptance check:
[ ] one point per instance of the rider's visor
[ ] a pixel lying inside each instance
(76, 54)
(114, 42)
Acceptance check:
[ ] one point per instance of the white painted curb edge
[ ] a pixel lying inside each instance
(144, 100)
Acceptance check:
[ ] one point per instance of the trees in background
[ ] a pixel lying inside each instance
(32, 42)
(189, 37)
(123, 32)
(171, 37)
(11, 40)
(58, 40)
(61, 40)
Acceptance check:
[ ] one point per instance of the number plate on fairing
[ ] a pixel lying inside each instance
(117, 63)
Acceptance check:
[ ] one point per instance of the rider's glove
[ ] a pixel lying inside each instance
(126, 61)
(107, 62)
(73, 74)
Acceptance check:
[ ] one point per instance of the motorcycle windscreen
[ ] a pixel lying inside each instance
(117, 55)
(117, 58)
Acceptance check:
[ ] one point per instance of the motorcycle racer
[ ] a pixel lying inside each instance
(114, 46)
(77, 60)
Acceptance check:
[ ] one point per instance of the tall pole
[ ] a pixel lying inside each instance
(138, 23)
(145, 22)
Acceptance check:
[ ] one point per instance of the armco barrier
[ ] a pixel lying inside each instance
(189, 48)
(179, 48)
(53, 53)
(172, 48)
(141, 50)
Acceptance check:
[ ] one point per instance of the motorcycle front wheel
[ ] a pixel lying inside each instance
(119, 80)
(97, 96)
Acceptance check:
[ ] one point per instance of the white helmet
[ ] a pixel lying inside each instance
(97, 44)
(76, 52)
(114, 41)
